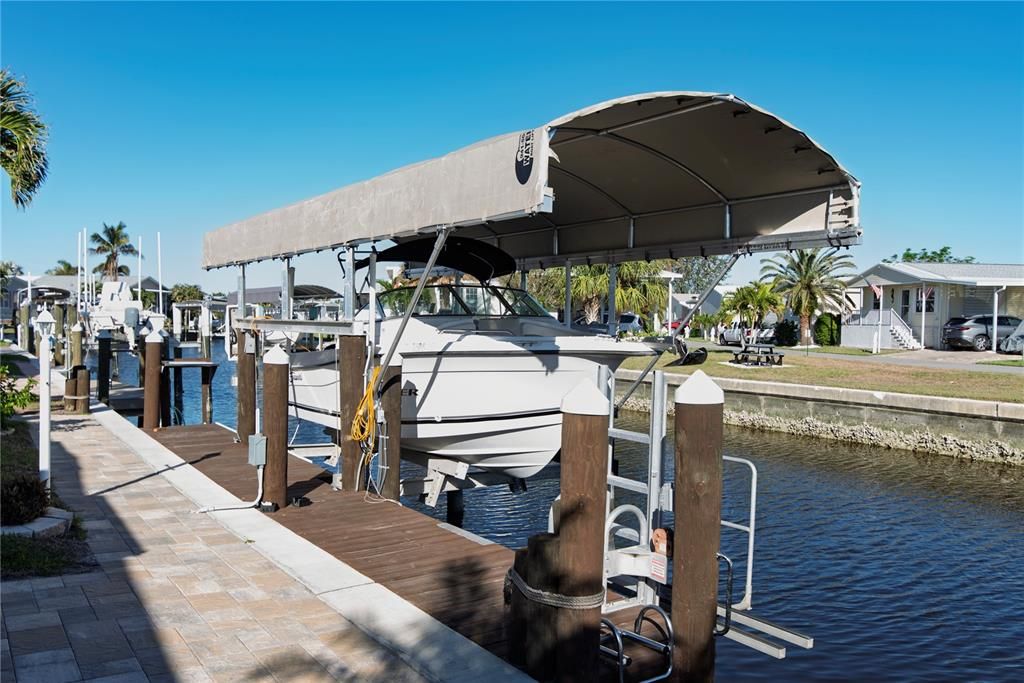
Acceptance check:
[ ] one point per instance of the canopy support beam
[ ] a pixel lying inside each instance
(442, 235)
(710, 287)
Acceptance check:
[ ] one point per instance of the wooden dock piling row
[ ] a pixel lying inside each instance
(550, 643)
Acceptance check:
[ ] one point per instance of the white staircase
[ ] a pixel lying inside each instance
(902, 333)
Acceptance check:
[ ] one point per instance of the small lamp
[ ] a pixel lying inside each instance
(45, 324)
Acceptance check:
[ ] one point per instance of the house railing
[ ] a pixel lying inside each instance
(901, 328)
(869, 318)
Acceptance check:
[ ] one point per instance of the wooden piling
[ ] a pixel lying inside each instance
(140, 357)
(59, 334)
(275, 425)
(83, 388)
(206, 375)
(541, 621)
(70, 391)
(584, 485)
(455, 507)
(515, 621)
(391, 395)
(103, 366)
(152, 352)
(351, 364)
(698, 507)
(179, 386)
(165, 381)
(76, 344)
(246, 389)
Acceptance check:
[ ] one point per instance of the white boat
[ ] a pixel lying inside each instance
(484, 370)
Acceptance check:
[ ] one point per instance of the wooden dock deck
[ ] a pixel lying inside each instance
(451, 576)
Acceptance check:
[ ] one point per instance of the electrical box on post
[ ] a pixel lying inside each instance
(257, 450)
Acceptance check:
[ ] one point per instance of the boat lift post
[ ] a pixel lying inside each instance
(613, 320)
(567, 304)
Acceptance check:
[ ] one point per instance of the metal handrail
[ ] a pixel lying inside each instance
(749, 529)
(902, 326)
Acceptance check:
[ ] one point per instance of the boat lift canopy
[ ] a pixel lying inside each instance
(657, 175)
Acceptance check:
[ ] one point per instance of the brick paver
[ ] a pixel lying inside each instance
(176, 596)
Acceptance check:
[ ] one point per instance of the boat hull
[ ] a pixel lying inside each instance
(502, 417)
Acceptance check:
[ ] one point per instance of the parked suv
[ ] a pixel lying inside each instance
(975, 332)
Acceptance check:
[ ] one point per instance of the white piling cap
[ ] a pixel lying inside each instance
(77, 327)
(699, 390)
(585, 399)
(154, 338)
(276, 356)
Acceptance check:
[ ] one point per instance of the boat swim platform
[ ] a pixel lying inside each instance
(454, 576)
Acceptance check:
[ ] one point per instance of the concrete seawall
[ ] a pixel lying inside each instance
(964, 428)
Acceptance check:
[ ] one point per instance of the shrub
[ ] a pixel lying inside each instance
(787, 333)
(827, 329)
(12, 398)
(22, 498)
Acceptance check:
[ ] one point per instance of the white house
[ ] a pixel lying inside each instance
(907, 303)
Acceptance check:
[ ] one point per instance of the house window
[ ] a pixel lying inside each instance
(905, 304)
(929, 301)
(875, 301)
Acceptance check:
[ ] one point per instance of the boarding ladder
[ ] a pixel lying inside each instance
(637, 576)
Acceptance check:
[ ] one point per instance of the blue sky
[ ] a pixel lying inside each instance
(182, 117)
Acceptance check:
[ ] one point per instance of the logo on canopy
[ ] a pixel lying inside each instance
(524, 157)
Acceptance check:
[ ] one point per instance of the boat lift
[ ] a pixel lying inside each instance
(637, 575)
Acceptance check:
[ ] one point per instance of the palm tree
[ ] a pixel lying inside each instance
(186, 292)
(809, 279)
(753, 303)
(637, 288)
(9, 269)
(63, 268)
(113, 242)
(22, 140)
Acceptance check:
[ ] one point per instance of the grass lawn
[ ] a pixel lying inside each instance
(835, 372)
(25, 557)
(840, 350)
(1011, 362)
(38, 556)
(19, 451)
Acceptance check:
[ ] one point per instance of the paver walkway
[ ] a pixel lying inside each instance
(176, 598)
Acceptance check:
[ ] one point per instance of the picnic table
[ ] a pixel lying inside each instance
(758, 354)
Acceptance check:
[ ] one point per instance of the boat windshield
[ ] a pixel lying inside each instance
(472, 300)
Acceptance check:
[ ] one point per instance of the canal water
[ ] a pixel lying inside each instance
(902, 566)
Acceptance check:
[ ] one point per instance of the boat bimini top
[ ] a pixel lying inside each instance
(657, 175)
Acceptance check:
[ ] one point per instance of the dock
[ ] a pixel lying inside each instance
(454, 576)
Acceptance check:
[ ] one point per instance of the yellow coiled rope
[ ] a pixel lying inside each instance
(364, 427)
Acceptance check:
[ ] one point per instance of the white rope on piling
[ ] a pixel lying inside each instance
(512, 578)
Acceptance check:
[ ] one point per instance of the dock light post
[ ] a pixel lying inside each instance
(45, 325)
